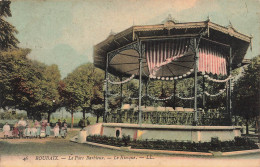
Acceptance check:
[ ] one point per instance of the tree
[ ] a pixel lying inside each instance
(24, 84)
(15, 70)
(246, 93)
(7, 31)
(81, 88)
(98, 110)
(67, 100)
(50, 83)
(97, 98)
(27, 85)
(41, 81)
(29, 94)
(97, 101)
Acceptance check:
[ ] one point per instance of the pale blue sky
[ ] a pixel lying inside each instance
(63, 32)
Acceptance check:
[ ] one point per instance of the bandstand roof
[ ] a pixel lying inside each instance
(125, 62)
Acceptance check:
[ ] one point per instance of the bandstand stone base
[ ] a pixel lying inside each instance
(165, 132)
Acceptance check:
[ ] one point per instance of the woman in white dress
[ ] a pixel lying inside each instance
(56, 130)
(27, 132)
(6, 130)
(34, 132)
(21, 126)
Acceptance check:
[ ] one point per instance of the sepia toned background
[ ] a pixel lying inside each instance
(63, 32)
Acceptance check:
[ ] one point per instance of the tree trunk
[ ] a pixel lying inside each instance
(49, 116)
(258, 128)
(256, 125)
(29, 115)
(97, 119)
(84, 114)
(72, 120)
(247, 131)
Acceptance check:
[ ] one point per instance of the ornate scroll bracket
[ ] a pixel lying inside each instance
(192, 45)
(133, 46)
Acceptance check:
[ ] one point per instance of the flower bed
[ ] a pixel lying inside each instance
(237, 144)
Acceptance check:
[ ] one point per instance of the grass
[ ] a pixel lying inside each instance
(65, 147)
(55, 147)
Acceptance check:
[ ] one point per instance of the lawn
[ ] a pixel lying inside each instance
(52, 146)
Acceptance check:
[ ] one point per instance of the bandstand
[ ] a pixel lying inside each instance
(169, 52)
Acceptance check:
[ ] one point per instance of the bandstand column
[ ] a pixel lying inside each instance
(146, 92)
(121, 100)
(196, 56)
(229, 85)
(106, 91)
(203, 95)
(140, 84)
(174, 92)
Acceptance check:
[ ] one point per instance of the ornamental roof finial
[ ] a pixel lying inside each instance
(169, 18)
(230, 24)
(112, 32)
(208, 18)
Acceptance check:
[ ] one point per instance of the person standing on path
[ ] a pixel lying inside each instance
(15, 130)
(59, 124)
(48, 130)
(21, 126)
(6, 130)
(56, 130)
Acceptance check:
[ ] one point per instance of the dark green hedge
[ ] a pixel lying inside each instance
(237, 144)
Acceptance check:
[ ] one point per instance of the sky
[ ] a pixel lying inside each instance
(63, 32)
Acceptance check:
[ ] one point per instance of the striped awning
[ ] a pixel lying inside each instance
(211, 60)
(175, 58)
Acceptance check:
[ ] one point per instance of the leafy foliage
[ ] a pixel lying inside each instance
(82, 88)
(14, 70)
(37, 88)
(27, 85)
(246, 91)
(24, 84)
(7, 31)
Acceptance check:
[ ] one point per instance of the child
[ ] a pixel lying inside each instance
(34, 132)
(62, 132)
(21, 126)
(38, 130)
(27, 132)
(6, 130)
(36, 123)
(56, 130)
(43, 134)
(48, 130)
(64, 129)
(15, 130)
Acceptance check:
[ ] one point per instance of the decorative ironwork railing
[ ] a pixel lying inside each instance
(210, 118)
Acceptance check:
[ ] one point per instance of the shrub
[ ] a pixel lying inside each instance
(126, 140)
(215, 144)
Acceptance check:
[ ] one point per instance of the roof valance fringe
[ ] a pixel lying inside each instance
(121, 82)
(221, 91)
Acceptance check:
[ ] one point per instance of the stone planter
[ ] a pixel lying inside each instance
(82, 136)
